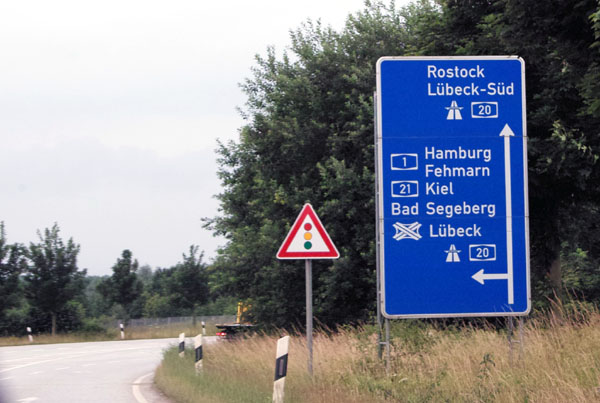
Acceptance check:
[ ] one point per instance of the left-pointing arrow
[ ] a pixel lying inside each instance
(480, 276)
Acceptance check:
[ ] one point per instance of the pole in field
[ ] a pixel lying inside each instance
(514, 338)
(29, 336)
(181, 345)
(308, 240)
(203, 328)
(309, 314)
(122, 331)
(198, 353)
(281, 360)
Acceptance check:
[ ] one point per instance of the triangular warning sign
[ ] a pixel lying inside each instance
(307, 239)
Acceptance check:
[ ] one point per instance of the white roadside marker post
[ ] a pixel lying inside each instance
(203, 328)
(29, 336)
(181, 345)
(122, 331)
(198, 351)
(281, 360)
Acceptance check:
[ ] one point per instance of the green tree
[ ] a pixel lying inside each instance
(123, 287)
(12, 264)
(95, 303)
(53, 278)
(309, 138)
(180, 289)
(158, 297)
(188, 287)
(157, 306)
(559, 41)
(144, 273)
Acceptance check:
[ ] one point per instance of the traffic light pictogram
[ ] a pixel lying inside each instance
(307, 239)
(307, 236)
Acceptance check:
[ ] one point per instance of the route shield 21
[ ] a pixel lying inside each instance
(452, 186)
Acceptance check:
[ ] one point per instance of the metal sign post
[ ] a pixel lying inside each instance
(380, 343)
(309, 315)
(308, 240)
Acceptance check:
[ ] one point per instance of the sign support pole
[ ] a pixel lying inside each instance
(521, 347)
(309, 315)
(308, 240)
(387, 347)
(510, 333)
(514, 338)
(380, 343)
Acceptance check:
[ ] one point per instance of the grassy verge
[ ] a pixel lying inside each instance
(242, 371)
(560, 362)
(133, 333)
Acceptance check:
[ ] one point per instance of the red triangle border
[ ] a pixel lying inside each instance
(283, 252)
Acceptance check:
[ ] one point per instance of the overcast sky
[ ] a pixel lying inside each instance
(110, 111)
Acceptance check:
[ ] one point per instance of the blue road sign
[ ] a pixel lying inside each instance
(452, 185)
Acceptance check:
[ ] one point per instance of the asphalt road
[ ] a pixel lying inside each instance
(110, 371)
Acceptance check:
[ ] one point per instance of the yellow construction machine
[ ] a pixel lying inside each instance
(234, 330)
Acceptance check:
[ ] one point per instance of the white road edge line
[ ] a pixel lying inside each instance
(137, 392)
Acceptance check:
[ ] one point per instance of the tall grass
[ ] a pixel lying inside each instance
(560, 362)
(133, 333)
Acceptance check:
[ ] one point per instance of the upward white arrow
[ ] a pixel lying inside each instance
(507, 133)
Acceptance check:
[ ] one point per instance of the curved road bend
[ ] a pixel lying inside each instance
(110, 371)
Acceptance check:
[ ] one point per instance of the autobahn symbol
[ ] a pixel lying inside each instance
(452, 254)
(454, 111)
(452, 187)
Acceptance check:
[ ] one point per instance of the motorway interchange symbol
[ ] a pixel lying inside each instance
(407, 231)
